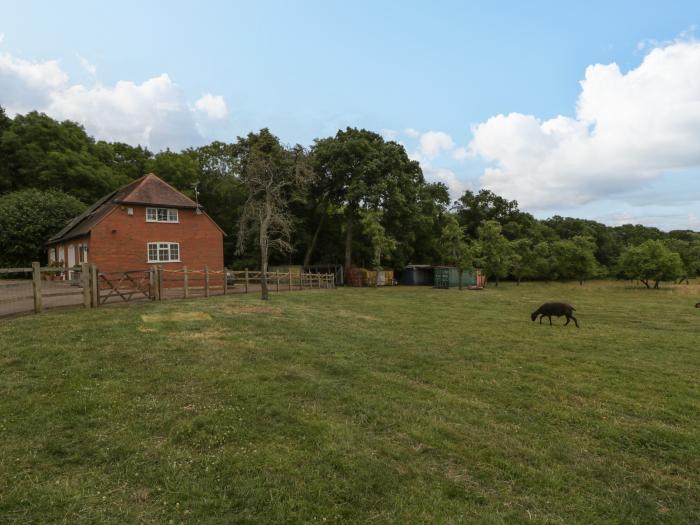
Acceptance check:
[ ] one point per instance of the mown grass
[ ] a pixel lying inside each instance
(406, 405)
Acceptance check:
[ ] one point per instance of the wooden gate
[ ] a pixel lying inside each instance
(128, 286)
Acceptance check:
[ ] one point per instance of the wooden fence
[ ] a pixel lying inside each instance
(89, 287)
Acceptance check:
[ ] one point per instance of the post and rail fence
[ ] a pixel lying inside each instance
(85, 285)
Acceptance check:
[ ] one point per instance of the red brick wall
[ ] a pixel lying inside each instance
(119, 241)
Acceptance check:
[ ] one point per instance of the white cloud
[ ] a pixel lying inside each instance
(2, 37)
(410, 132)
(212, 106)
(432, 143)
(694, 221)
(91, 69)
(628, 129)
(153, 113)
(390, 134)
(25, 85)
(455, 186)
(460, 153)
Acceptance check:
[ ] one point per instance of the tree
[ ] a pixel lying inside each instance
(575, 258)
(455, 250)
(5, 121)
(493, 250)
(39, 152)
(543, 260)
(650, 261)
(358, 169)
(382, 244)
(523, 259)
(269, 173)
(688, 247)
(27, 219)
(474, 208)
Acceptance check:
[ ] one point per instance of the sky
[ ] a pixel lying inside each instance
(585, 109)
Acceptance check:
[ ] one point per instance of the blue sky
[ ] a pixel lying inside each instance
(305, 69)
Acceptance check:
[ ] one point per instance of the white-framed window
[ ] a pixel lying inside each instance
(163, 252)
(162, 215)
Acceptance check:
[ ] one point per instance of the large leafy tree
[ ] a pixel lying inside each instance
(359, 170)
(27, 219)
(474, 208)
(39, 152)
(575, 258)
(5, 121)
(493, 250)
(455, 250)
(523, 260)
(382, 243)
(651, 261)
(688, 247)
(219, 186)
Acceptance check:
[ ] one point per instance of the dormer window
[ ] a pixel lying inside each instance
(161, 215)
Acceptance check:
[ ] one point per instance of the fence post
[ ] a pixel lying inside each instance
(246, 280)
(277, 276)
(159, 273)
(290, 279)
(225, 280)
(85, 282)
(151, 284)
(206, 281)
(319, 280)
(36, 286)
(94, 286)
(185, 283)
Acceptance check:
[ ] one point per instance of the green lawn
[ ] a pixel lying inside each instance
(405, 405)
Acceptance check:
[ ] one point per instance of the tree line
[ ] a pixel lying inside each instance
(353, 199)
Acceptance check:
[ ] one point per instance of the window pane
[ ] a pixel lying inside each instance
(162, 214)
(152, 252)
(174, 252)
(151, 214)
(163, 254)
(172, 215)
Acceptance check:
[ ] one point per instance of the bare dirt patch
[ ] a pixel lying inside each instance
(213, 333)
(355, 315)
(252, 309)
(176, 316)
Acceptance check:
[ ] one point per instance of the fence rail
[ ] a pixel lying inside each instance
(51, 287)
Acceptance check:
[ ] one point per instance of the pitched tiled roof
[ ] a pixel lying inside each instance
(148, 190)
(152, 190)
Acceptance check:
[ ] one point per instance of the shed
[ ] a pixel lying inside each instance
(417, 275)
(448, 277)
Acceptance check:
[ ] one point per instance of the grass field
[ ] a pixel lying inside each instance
(405, 405)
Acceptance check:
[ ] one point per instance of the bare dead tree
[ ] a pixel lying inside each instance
(270, 179)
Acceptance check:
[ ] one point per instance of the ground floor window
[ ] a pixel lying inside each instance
(163, 252)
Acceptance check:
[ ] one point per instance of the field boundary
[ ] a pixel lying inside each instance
(86, 286)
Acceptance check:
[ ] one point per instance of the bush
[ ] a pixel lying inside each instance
(27, 219)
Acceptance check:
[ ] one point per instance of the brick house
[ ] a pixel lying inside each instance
(144, 223)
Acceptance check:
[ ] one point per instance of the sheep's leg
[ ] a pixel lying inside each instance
(567, 320)
(541, 317)
(550, 320)
(575, 321)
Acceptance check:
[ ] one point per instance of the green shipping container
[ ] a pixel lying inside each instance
(448, 277)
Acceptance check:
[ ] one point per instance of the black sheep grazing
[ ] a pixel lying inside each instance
(557, 309)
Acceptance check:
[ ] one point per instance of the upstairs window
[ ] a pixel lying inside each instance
(161, 215)
(163, 252)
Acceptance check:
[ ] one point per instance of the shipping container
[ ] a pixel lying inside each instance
(417, 275)
(448, 277)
